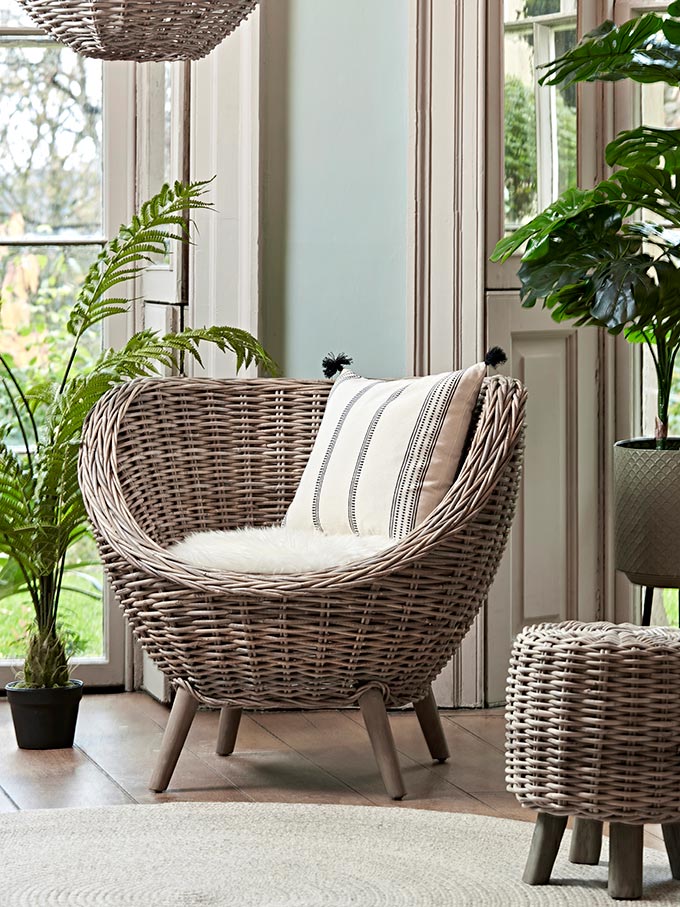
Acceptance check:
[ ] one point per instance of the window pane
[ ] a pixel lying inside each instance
(81, 607)
(540, 121)
(50, 141)
(13, 16)
(521, 175)
(37, 286)
(159, 83)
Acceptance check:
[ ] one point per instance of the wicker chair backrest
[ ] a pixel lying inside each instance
(195, 454)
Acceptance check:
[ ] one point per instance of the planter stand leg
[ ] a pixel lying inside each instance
(647, 608)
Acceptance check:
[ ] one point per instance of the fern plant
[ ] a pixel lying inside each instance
(41, 509)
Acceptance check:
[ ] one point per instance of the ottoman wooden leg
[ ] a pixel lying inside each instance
(586, 842)
(625, 860)
(671, 835)
(545, 844)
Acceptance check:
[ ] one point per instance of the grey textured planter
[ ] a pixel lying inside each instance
(647, 511)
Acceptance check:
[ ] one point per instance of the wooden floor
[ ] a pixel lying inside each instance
(293, 757)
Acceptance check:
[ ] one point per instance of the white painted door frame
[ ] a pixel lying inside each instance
(448, 242)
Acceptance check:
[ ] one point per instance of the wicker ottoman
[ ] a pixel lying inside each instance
(593, 715)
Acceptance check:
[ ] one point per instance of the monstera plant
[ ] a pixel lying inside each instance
(609, 256)
(41, 509)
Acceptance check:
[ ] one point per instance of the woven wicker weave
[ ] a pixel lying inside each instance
(594, 721)
(141, 30)
(162, 458)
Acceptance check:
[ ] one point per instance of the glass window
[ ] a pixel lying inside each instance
(51, 229)
(540, 122)
(13, 16)
(160, 86)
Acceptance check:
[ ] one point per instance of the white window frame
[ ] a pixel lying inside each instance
(118, 150)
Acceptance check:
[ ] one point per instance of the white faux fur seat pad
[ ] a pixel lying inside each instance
(275, 549)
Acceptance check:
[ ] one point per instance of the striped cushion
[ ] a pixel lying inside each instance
(386, 453)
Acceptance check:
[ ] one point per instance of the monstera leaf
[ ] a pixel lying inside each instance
(645, 145)
(570, 204)
(643, 49)
(590, 270)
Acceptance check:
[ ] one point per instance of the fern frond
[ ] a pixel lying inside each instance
(148, 233)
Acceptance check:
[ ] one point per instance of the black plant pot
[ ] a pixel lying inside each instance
(44, 719)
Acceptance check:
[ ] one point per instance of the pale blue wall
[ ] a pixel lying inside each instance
(334, 183)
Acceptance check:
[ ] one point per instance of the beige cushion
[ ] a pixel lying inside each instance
(386, 452)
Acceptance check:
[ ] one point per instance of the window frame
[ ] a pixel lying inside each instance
(118, 181)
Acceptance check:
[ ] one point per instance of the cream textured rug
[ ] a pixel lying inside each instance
(280, 855)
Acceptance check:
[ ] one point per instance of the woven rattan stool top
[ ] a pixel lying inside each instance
(593, 716)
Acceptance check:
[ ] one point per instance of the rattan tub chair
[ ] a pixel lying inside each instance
(162, 458)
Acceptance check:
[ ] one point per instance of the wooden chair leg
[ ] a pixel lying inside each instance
(671, 835)
(625, 860)
(378, 726)
(431, 726)
(545, 845)
(230, 718)
(586, 842)
(183, 710)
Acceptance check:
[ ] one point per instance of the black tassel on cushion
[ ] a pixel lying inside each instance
(332, 364)
(495, 357)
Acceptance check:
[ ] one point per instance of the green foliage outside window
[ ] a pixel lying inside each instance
(521, 175)
(521, 179)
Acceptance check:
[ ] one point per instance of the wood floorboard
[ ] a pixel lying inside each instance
(48, 779)
(297, 757)
(117, 733)
(341, 746)
(488, 726)
(474, 765)
(265, 767)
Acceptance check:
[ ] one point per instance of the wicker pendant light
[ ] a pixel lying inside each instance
(141, 30)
